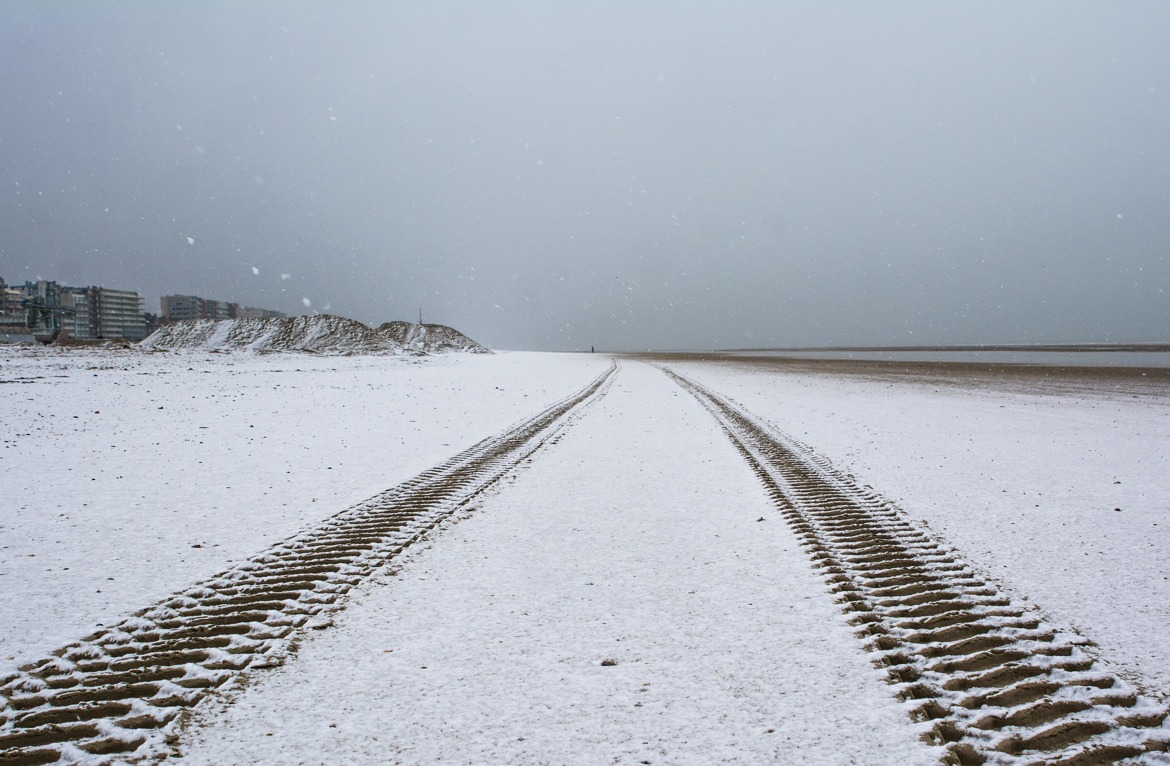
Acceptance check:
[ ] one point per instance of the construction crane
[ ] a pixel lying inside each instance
(44, 321)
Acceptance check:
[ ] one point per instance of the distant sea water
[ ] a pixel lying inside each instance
(1095, 356)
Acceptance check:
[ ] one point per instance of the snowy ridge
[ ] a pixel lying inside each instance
(318, 334)
(990, 681)
(321, 334)
(430, 338)
(117, 696)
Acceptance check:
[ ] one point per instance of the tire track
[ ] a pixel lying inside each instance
(992, 682)
(119, 694)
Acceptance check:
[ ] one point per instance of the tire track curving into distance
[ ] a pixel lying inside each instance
(118, 695)
(992, 681)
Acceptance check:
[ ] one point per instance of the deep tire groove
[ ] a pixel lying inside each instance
(116, 695)
(990, 681)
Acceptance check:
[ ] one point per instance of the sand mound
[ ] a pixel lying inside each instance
(322, 334)
(430, 338)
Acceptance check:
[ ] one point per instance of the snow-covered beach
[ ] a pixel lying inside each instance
(117, 465)
(1057, 488)
(637, 535)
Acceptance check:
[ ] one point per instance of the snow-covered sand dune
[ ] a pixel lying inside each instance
(323, 334)
(430, 338)
(317, 334)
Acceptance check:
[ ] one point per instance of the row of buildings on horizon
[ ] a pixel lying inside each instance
(47, 311)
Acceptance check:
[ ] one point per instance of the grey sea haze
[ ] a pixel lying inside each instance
(619, 175)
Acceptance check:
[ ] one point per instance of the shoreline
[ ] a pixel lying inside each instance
(1146, 380)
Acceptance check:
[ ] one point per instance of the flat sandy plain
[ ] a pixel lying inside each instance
(625, 587)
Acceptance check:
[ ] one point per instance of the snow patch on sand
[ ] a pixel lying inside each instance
(129, 476)
(1059, 492)
(616, 601)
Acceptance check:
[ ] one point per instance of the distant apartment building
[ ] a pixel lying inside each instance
(13, 328)
(11, 312)
(114, 314)
(177, 308)
(247, 312)
(46, 309)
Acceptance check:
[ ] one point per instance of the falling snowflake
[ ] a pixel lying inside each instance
(255, 270)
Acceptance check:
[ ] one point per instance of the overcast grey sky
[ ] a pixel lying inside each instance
(646, 174)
